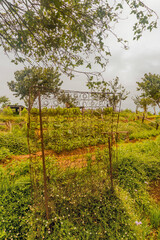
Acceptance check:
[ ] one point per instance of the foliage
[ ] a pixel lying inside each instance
(81, 204)
(143, 102)
(144, 135)
(32, 80)
(4, 101)
(112, 91)
(150, 86)
(24, 112)
(7, 111)
(136, 101)
(68, 128)
(84, 207)
(4, 154)
(117, 93)
(60, 31)
(67, 99)
(14, 143)
(14, 204)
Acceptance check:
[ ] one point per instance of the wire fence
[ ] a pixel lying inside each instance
(75, 145)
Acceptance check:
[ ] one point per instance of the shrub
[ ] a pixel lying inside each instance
(108, 110)
(15, 144)
(24, 112)
(7, 111)
(4, 153)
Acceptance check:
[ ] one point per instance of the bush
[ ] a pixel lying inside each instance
(24, 112)
(15, 144)
(108, 110)
(4, 153)
(7, 111)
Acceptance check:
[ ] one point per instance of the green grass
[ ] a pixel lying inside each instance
(14, 202)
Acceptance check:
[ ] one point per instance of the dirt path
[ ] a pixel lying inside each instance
(79, 151)
(74, 158)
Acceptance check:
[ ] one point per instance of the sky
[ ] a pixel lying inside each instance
(143, 56)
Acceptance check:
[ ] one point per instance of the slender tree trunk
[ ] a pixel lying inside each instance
(43, 159)
(28, 142)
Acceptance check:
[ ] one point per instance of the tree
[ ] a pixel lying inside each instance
(112, 91)
(66, 32)
(32, 83)
(150, 87)
(136, 101)
(145, 102)
(117, 93)
(153, 104)
(30, 80)
(4, 101)
(67, 99)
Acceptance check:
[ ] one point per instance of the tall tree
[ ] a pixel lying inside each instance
(150, 87)
(31, 80)
(66, 32)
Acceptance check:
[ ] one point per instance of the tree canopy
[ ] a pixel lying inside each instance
(32, 80)
(113, 91)
(4, 101)
(142, 102)
(66, 32)
(150, 87)
(117, 93)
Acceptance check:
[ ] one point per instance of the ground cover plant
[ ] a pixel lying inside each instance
(15, 200)
(13, 137)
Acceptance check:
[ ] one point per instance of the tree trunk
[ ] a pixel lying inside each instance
(43, 159)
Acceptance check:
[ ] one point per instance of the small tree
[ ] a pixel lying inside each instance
(142, 102)
(4, 101)
(136, 101)
(32, 83)
(67, 99)
(150, 86)
(145, 102)
(117, 93)
(27, 82)
(113, 91)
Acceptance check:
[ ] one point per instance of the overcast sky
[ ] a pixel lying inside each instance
(130, 65)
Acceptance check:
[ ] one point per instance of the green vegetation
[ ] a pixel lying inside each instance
(81, 203)
(32, 33)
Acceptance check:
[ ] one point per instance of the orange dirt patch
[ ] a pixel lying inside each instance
(75, 158)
